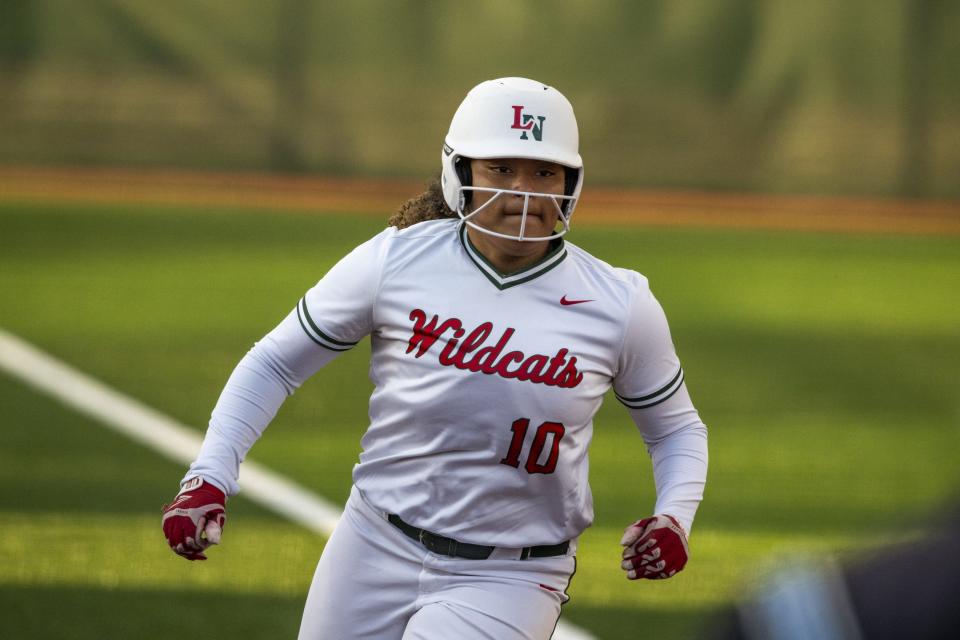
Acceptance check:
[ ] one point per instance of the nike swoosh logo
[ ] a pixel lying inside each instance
(180, 499)
(567, 303)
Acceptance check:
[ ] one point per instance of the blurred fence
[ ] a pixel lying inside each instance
(854, 97)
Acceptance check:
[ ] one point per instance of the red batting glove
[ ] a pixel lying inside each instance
(194, 521)
(654, 548)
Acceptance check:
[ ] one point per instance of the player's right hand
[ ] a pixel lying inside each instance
(194, 520)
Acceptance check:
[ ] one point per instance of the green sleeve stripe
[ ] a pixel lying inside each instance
(650, 396)
(310, 335)
(313, 325)
(652, 399)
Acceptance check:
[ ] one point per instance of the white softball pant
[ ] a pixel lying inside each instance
(375, 583)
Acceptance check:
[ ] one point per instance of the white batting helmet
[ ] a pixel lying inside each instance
(511, 118)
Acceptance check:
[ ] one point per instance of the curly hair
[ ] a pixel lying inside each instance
(429, 205)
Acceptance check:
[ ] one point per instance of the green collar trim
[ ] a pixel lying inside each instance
(555, 256)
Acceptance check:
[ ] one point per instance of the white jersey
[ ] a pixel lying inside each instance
(486, 385)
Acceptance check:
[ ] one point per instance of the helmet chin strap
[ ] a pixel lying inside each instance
(552, 197)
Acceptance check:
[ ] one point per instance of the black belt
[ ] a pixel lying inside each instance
(450, 547)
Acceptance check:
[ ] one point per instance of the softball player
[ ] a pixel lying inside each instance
(493, 344)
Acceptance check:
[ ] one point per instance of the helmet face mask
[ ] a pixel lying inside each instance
(561, 204)
(511, 118)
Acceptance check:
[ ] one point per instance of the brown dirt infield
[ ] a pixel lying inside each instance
(598, 206)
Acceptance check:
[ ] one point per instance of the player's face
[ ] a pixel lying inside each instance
(504, 214)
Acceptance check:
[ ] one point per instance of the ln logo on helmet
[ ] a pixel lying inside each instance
(525, 122)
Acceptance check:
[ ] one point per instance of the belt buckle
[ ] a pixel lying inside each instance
(428, 540)
(435, 544)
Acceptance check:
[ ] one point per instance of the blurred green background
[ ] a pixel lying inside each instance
(826, 364)
(853, 97)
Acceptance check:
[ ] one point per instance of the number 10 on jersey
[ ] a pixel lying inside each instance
(547, 430)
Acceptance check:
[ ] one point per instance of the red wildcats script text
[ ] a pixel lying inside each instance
(471, 352)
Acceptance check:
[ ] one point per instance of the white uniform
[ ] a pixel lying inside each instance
(485, 390)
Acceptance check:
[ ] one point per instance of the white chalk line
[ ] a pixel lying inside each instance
(174, 440)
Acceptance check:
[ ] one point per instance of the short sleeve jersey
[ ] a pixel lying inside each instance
(486, 384)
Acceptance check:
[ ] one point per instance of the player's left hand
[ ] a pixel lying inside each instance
(654, 548)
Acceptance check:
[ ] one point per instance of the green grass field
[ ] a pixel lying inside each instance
(826, 367)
